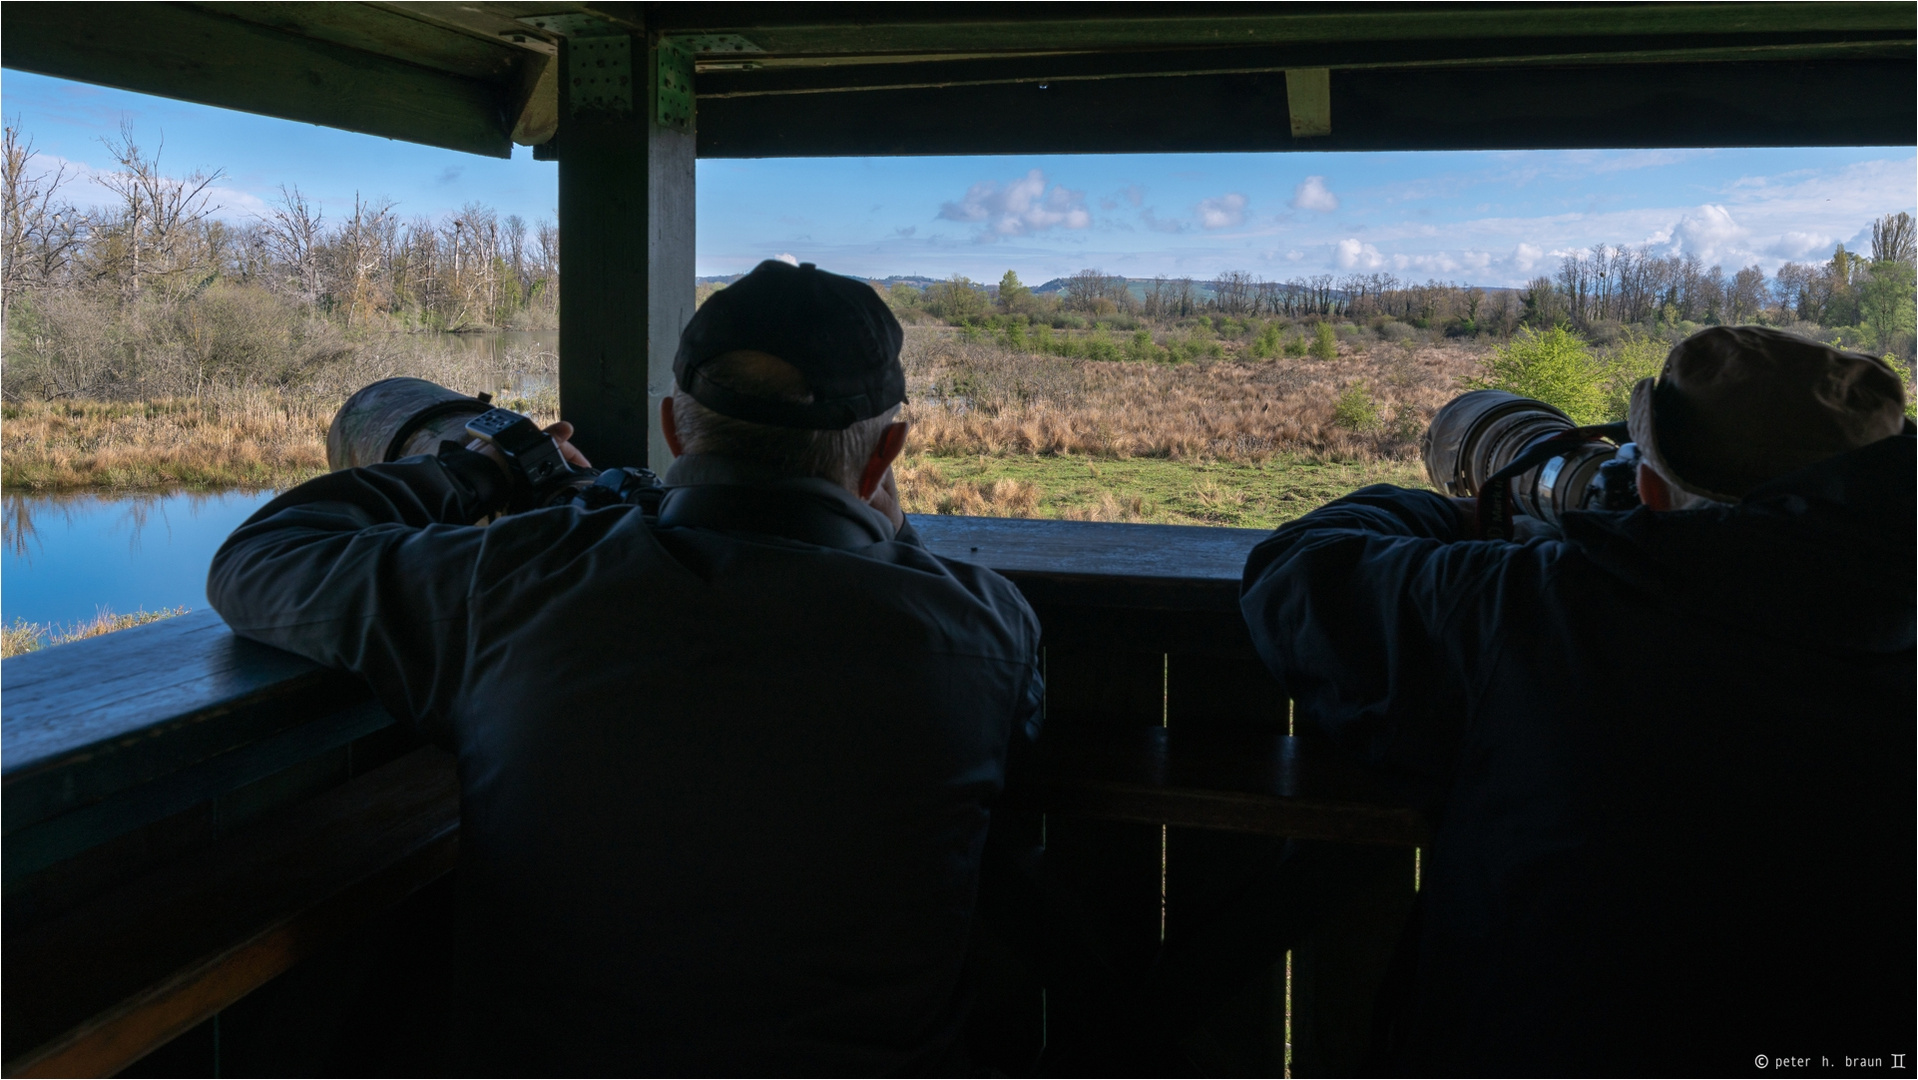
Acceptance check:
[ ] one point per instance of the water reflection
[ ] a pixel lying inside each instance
(69, 556)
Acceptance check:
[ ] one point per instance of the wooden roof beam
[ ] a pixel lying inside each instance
(181, 52)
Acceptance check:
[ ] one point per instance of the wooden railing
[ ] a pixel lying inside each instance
(217, 853)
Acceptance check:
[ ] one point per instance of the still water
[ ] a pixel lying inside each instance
(70, 556)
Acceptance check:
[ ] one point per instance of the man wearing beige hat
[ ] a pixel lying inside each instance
(1670, 751)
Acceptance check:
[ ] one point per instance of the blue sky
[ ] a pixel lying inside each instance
(1488, 218)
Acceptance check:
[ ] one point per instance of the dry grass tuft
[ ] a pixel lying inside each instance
(21, 636)
(1110, 507)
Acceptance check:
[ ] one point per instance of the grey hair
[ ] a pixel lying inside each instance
(838, 456)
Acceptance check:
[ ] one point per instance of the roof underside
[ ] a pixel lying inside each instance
(791, 80)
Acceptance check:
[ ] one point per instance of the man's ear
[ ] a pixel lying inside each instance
(668, 426)
(891, 442)
(1653, 491)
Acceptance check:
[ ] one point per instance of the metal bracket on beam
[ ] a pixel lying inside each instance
(570, 25)
(1308, 96)
(675, 89)
(719, 52)
(599, 75)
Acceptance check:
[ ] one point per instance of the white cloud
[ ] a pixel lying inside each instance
(1353, 255)
(788, 258)
(1223, 212)
(1440, 262)
(1019, 207)
(1312, 194)
(1797, 245)
(1710, 233)
(1526, 256)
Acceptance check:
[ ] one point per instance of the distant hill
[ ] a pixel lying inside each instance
(915, 280)
(1202, 289)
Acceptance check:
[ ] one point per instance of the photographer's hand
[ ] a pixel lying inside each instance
(562, 433)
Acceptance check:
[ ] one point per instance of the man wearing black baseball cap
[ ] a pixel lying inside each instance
(726, 773)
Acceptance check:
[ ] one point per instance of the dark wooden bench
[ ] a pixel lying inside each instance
(189, 815)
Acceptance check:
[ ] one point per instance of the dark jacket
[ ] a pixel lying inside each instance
(724, 779)
(1671, 755)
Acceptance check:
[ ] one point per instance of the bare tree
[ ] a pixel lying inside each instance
(40, 231)
(294, 232)
(160, 212)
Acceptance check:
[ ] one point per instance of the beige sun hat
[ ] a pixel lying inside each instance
(1736, 406)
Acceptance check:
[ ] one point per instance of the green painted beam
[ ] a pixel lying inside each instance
(367, 28)
(179, 52)
(1509, 52)
(1801, 103)
(795, 29)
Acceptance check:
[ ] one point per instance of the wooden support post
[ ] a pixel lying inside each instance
(626, 248)
(1308, 97)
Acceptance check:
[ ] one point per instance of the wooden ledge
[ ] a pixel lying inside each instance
(1272, 785)
(1102, 564)
(98, 988)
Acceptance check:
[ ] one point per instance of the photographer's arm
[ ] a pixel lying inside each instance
(1366, 610)
(367, 570)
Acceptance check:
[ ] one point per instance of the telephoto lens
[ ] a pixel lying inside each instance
(396, 418)
(402, 417)
(1478, 438)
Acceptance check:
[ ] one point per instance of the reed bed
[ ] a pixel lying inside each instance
(232, 437)
(977, 398)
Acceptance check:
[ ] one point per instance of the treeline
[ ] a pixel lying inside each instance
(1860, 301)
(1094, 296)
(1873, 296)
(154, 293)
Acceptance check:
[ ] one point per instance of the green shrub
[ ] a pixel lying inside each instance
(1325, 342)
(1356, 409)
(1267, 345)
(1553, 366)
(1635, 357)
(1140, 347)
(1904, 371)
(1295, 344)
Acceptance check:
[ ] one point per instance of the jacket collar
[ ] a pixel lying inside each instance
(704, 491)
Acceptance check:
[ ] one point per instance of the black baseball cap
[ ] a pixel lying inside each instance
(835, 330)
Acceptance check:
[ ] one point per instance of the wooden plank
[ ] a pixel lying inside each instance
(1268, 785)
(32, 847)
(1342, 964)
(1808, 103)
(93, 991)
(94, 718)
(794, 29)
(813, 75)
(1114, 863)
(1142, 567)
(367, 28)
(1308, 97)
(179, 52)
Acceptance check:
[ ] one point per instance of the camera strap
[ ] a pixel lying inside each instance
(1495, 498)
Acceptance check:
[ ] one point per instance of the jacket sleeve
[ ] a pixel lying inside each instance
(368, 570)
(1375, 614)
